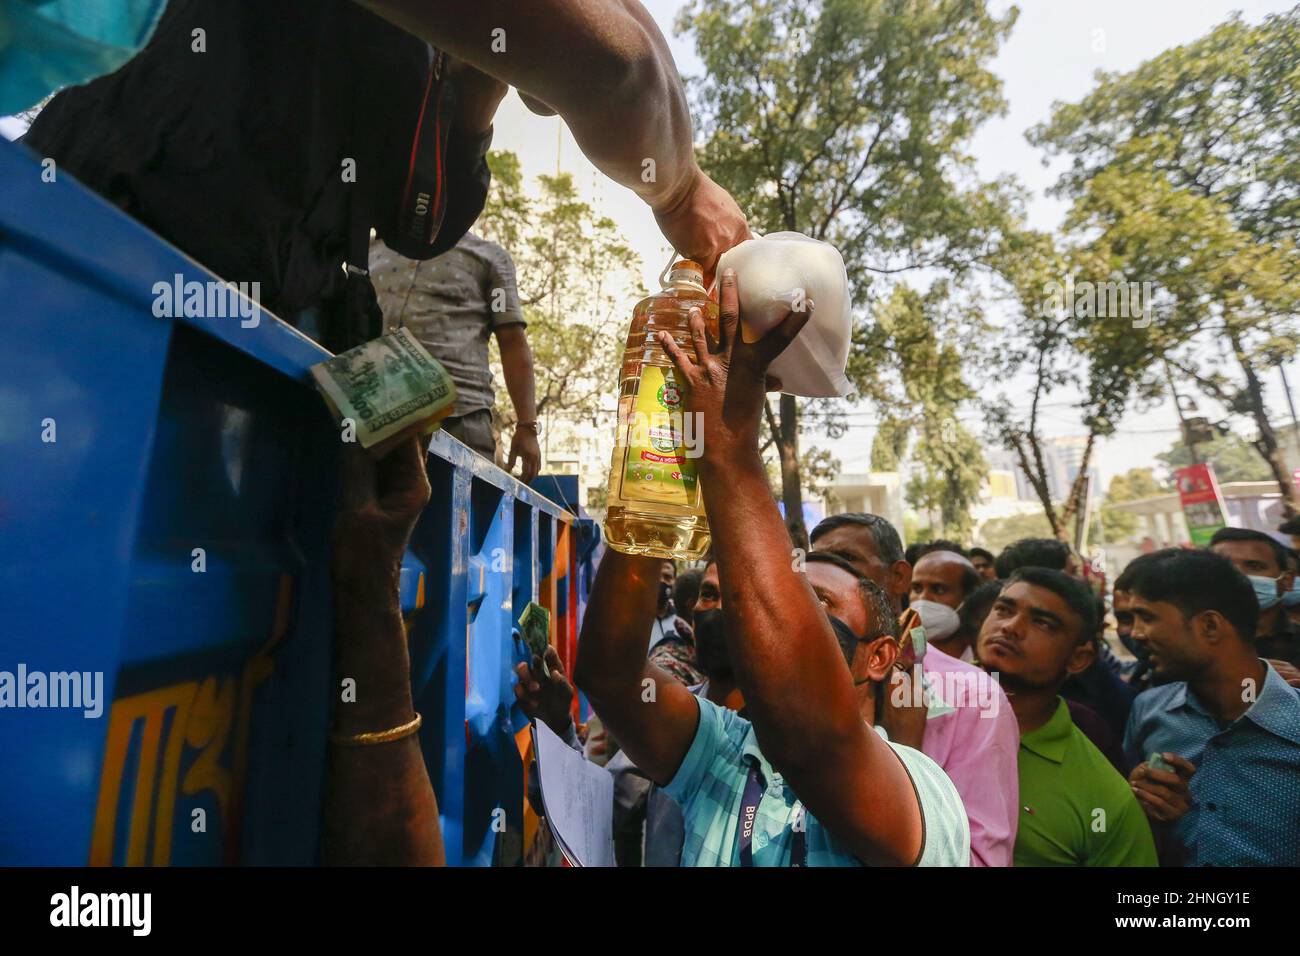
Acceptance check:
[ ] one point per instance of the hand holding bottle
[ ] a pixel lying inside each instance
(702, 223)
(726, 381)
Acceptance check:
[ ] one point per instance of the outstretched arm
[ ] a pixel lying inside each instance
(517, 367)
(605, 67)
(650, 714)
(798, 691)
(380, 808)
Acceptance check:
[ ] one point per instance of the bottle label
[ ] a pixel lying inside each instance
(657, 467)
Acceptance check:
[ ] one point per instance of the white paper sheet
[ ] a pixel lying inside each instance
(578, 800)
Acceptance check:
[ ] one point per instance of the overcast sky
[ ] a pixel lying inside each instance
(1050, 56)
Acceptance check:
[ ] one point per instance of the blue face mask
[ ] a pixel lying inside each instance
(1292, 597)
(51, 45)
(1266, 591)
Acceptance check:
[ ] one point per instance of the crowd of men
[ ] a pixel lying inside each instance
(862, 704)
(787, 710)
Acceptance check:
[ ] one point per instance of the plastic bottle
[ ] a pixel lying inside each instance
(654, 506)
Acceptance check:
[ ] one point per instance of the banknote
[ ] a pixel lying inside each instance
(386, 386)
(1158, 762)
(535, 625)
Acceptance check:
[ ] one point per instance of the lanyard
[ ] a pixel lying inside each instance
(749, 801)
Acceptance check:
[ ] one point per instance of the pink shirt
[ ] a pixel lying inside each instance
(977, 744)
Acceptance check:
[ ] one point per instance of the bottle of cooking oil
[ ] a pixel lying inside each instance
(654, 506)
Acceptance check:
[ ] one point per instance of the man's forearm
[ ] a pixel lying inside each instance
(649, 713)
(380, 807)
(785, 656)
(616, 626)
(517, 366)
(560, 51)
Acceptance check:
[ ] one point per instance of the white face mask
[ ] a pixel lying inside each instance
(939, 620)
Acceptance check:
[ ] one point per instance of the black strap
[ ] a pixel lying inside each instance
(424, 195)
(749, 803)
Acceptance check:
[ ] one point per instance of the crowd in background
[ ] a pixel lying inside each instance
(1146, 721)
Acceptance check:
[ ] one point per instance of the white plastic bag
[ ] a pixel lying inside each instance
(774, 273)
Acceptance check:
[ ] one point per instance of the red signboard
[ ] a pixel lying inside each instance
(1202, 502)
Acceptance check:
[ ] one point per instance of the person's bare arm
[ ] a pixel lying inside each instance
(517, 366)
(605, 67)
(477, 97)
(798, 692)
(650, 714)
(545, 695)
(380, 808)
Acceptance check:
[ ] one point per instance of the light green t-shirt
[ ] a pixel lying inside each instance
(710, 785)
(1076, 810)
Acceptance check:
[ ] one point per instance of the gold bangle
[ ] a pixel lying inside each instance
(378, 737)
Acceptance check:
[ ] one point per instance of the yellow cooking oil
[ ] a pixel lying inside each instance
(654, 505)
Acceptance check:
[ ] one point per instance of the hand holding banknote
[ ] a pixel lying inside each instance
(380, 502)
(386, 389)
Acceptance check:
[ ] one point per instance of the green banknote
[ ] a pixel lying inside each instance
(386, 386)
(535, 625)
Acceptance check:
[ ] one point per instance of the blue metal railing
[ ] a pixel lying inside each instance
(167, 491)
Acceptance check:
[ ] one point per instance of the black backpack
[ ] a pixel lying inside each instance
(265, 138)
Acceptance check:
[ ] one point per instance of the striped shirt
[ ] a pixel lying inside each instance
(710, 785)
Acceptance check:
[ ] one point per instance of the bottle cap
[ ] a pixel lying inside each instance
(685, 270)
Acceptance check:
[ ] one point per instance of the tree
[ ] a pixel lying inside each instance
(846, 120)
(921, 334)
(1134, 485)
(1233, 458)
(506, 211)
(996, 533)
(1185, 170)
(1053, 338)
(578, 281)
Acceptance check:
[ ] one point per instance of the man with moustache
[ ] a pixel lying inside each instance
(822, 789)
(975, 746)
(1226, 721)
(1076, 808)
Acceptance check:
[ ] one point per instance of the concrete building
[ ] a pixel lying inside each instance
(878, 492)
(1250, 504)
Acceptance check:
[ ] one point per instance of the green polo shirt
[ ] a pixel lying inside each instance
(1075, 808)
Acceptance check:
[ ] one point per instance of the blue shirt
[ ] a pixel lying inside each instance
(1246, 789)
(710, 785)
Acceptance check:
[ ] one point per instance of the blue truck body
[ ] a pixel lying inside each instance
(167, 492)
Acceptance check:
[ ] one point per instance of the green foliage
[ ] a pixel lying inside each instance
(1133, 485)
(1217, 117)
(921, 333)
(818, 468)
(848, 120)
(505, 213)
(1186, 173)
(578, 280)
(1233, 458)
(845, 119)
(1057, 350)
(952, 470)
(996, 533)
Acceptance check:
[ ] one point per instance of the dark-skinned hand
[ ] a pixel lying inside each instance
(543, 698)
(1164, 794)
(726, 381)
